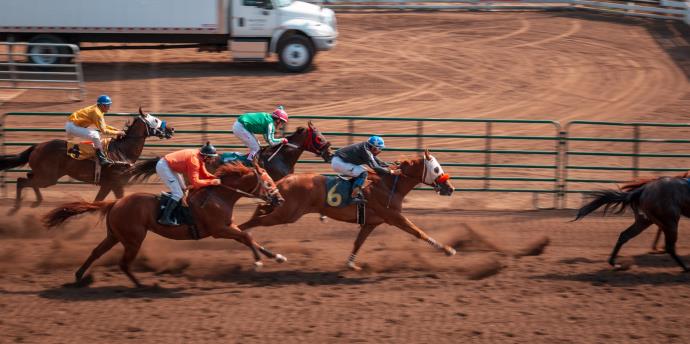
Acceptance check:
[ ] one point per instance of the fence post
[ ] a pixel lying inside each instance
(487, 156)
(420, 132)
(10, 60)
(80, 73)
(636, 150)
(351, 130)
(3, 175)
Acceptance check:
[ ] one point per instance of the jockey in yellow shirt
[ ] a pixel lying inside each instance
(80, 120)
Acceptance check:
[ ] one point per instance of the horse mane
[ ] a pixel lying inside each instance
(638, 183)
(115, 146)
(232, 169)
(299, 130)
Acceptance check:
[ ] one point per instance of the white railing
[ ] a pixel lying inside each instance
(57, 67)
(662, 9)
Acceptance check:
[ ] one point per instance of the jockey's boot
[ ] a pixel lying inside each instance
(358, 195)
(102, 159)
(166, 218)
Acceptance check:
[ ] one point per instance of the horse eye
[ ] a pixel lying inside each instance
(436, 169)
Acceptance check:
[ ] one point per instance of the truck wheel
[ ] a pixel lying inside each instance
(296, 53)
(35, 52)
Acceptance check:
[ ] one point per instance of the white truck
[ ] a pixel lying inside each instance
(251, 29)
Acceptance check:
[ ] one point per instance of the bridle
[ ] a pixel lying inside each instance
(313, 142)
(262, 190)
(151, 130)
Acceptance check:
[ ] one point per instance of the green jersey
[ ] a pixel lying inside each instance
(260, 123)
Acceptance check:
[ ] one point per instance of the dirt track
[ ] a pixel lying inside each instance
(560, 66)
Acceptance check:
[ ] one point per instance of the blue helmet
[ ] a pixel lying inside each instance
(376, 141)
(104, 100)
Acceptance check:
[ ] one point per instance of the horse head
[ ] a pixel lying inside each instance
(153, 126)
(312, 141)
(267, 189)
(238, 177)
(428, 171)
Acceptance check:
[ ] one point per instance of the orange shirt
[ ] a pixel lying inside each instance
(188, 163)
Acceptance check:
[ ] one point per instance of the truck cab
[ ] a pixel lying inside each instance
(295, 30)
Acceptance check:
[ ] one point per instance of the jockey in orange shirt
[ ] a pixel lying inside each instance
(191, 164)
(80, 120)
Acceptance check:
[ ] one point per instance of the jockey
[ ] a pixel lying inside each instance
(260, 123)
(349, 161)
(191, 164)
(80, 120)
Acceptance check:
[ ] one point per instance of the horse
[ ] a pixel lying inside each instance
(280, 160)
(660, 201)
(306, 193)
(129, 219)
(49, 161)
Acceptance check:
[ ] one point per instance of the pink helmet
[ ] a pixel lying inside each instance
(280, 114)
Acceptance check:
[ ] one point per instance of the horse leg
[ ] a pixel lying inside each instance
(655, 249)
(97, 252)
(361, 237)
(278, 216)
(119, 191)
(233, 232)
(102, 193)
(18, 198)
(39, 196)
(671, 235)
(400, 221)
(636, 228)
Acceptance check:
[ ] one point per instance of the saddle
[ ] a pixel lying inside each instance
(339, 190)
(235, 157)
(84, 150)
(182, 213)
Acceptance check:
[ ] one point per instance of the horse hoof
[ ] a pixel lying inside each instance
(352, 266)
(323, 218)
(621, 267)
(449, 251)
(258, 265)
(280, 258)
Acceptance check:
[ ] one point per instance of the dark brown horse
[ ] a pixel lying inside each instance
(49, 161)
(306, 193)
(660, 201)
(280, 160)
(130, 218)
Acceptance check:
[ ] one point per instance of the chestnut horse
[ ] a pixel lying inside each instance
(306, 193)
(659, 201)
(49, 161)
(128, 219)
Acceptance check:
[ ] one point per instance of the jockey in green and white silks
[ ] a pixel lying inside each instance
(350, 161)
(260, 123)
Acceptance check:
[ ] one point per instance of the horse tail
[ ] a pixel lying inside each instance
(616, 201)
(60, 214)
(142, 170)
(15, 160)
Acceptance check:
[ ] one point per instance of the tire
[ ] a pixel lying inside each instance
(34, 52)
(295, 53)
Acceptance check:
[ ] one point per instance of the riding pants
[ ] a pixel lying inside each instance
(85, 133)
(349, 169)
(248, 138)
(171, 179)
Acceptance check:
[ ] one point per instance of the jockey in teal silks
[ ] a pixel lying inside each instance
(260, 123)
(350, 161)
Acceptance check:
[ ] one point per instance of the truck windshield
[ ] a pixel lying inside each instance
(282, 3)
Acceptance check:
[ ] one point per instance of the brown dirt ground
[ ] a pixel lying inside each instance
(560, 66)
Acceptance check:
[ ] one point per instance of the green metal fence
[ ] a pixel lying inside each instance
(575, 158)
(467, 147)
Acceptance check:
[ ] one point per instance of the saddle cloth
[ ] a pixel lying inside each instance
(84, 150)
(235, 156)
(339, 191)
(182, 214)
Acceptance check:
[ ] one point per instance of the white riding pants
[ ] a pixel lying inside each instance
(84, 133)
(247, 137)
(171, 179)
(346, 168)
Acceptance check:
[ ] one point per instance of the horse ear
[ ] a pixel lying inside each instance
(310, 124)
(255, 162)
(141, 112)
(427, 156)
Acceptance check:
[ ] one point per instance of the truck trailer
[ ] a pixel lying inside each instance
(251, 30)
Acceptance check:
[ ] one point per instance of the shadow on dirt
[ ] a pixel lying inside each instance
(288, 277)
(621, 278)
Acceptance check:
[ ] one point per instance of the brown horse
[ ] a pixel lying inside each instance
(128, 219)
(49, 161)
(306, 193)
(659, 201)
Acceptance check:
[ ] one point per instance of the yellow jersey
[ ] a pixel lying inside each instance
(92, 115)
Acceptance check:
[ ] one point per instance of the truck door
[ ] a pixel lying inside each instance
(253, 18)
